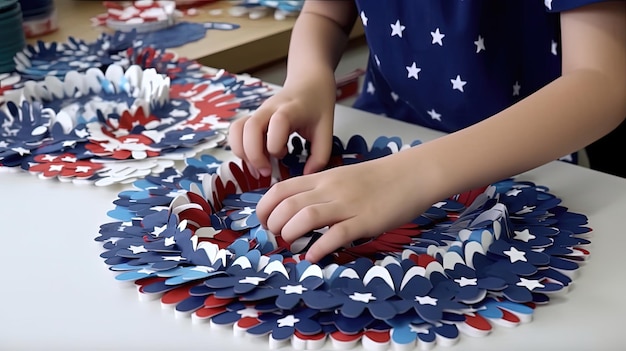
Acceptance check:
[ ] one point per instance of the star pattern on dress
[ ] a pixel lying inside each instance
(363, 18)
(516, 88)
(434, 115)
(370, 88)
(397, 29)
(554, 48)
(480, 44)
(548, 4)
(413, 70)
(437, 37)
(457, 83)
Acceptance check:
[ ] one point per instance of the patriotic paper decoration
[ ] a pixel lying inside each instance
(488, 257)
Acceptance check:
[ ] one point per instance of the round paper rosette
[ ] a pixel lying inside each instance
(487, 257)
(119, 125)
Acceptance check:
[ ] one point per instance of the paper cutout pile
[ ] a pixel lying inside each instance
(488, 257)
(112, 112)
(256, 9)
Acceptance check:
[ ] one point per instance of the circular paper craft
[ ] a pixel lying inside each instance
(123, 124)
(191, 239)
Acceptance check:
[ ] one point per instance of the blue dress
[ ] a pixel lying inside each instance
(447, 64)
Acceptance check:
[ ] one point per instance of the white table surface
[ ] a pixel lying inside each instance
(56, 293)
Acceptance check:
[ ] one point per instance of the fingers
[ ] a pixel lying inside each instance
(321, 147)
(337, 236)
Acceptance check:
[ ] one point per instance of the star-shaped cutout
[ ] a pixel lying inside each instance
(434, 115)
(480, 44)
(83, 169)
(362, 297)
(169, 241)
(397, 28)
(529, 284)
(466, 281)
(20, 150)
(55, 168)
(137, 249)
(516, 255)
(523, 235)
(426, 300)
(437, 37)
(288, 321)
(251, 280)
(293, 289)
(457, 83)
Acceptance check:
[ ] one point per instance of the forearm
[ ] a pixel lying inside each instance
(318, 39)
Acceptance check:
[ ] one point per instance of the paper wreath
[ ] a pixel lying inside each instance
(191, 239)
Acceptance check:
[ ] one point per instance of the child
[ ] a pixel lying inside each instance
(523, 81)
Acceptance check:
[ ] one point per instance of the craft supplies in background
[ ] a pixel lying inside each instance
(256, 9)
(39, 17)
(12, 39)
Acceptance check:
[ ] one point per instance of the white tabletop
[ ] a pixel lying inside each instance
(56, 293)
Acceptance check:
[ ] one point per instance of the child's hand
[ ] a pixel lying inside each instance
(355, 201)
(307, 109)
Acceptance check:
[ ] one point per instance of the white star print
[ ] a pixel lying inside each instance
(480, 44)
(363, 18)
(81, 133)
(49, 158)
(553, 48)
(434, 115)
(172, 258)
(55, 168)
(293, 289)
(365, 298)
(69, 159)
(426, 300)
(370, 88)
(516, 88)
(465, 281)
(247, 211)
(529, 284)
(524, 235)
(169, 241)
(158, 230)
(419, 329)
(397, 28)
(288, 321)
(457, 83)
(548, 4)
(145, 271)
(248, 312)
(437, 37)
(82, 169)
(516, 255)
(413, 70)
(394, 96)
(377, 60)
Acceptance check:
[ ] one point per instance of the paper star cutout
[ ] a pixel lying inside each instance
(189, 136)
(516, 255)
(434, 115)
(54, 168)
(288, 321)
(20, 150)
(363, 18)
(457, 83)
(248, 312)
(49, 158)
(293, 289)
(419, 330)
(251, 280)
(480, 44)
(365, 298)
(69, 159)
(529, 284)
(437, 37)
(523, 235)
(81, 133)
(203, 269)
(83, 169)
(426, 300)
(397, 28)
(173, 258)
(137, 249)
(169, 241)
(413, 70)
(247, 210)
(513, 192)
(145, 271)
(465, 281)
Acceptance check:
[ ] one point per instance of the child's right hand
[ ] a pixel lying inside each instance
(304, 107)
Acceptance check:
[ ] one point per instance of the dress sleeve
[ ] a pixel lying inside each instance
(564, 5)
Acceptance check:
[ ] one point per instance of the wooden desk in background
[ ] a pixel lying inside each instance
(255, 44)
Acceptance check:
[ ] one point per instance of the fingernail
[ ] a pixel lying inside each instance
(265, 172)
